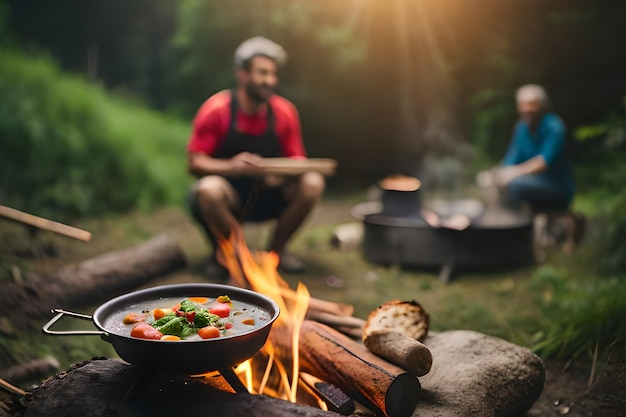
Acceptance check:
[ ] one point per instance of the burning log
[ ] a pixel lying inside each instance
(109, 273)
(334, 357)
(99, 388)
(335, 399)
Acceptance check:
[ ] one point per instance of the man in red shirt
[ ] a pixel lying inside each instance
(232, 132)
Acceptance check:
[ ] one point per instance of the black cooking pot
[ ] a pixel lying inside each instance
(401, 202)
(185, 356)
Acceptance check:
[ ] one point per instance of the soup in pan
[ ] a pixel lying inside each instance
(192, 318)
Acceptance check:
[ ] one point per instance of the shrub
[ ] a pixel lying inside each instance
(67, 148)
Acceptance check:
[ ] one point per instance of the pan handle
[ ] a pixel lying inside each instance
(61, 313)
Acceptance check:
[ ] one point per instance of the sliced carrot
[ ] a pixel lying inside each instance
(161, 312)
(209, 332)
(249, 322)
(170, 337)
(199, 300)
(134, 318)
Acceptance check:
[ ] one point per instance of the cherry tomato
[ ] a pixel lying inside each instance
(221, 309)
(143, 330)
(134, 318)
(228, 325)
(191, 316)
(209, 332)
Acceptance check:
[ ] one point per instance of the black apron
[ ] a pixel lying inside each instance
(266, 144)
(261, 203)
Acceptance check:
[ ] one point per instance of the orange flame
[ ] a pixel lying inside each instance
(258, 271)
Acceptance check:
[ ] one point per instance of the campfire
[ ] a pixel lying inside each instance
(311, 356)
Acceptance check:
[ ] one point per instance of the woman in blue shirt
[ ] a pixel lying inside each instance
(535, 169)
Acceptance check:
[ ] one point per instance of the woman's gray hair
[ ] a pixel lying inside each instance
(532, 92)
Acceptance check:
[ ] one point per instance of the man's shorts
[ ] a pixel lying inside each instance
(258, 202)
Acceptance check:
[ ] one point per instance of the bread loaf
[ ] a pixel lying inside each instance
(406, 317)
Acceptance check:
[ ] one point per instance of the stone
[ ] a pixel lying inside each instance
(477, 375)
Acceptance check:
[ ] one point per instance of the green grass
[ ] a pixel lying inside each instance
(579, 313)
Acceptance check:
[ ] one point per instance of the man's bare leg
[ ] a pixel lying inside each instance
(303, 193)
(217, 200)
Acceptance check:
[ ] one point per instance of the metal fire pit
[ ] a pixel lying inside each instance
(493, 239)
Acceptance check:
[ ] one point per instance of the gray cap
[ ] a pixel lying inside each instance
(259, 45)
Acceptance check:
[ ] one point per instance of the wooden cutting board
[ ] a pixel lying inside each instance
(289, 166)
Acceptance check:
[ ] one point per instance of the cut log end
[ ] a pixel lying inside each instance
(402, 396)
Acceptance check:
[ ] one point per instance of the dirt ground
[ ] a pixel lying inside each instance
(566, 392)
(480, 301)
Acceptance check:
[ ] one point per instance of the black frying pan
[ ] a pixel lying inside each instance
(181, 357)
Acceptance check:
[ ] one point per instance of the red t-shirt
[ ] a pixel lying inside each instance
(212, 122)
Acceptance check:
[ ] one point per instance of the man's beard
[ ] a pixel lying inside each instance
(259, 93)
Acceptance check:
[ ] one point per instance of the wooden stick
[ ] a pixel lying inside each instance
(354, 332)
(335, 320)
(334, 357)
(45, 224)
(401, 350)
(331, 307)
(11, 388)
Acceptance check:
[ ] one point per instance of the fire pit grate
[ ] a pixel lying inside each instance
(491, 240)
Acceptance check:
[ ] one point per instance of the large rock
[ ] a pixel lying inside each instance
(478, 375)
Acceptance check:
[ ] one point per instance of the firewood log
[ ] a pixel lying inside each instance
(78, 284)
(99, 388)
(400, 349)
(334, 357)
